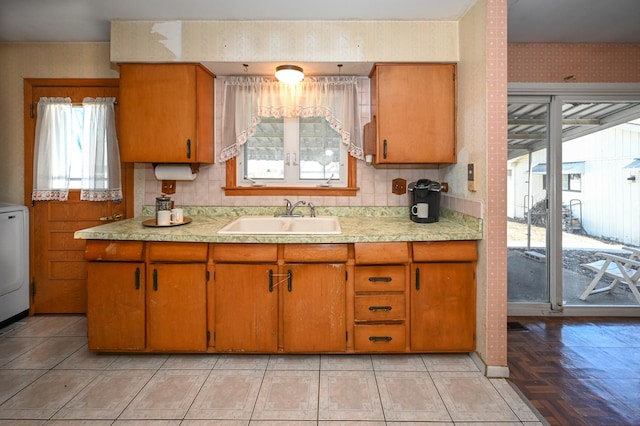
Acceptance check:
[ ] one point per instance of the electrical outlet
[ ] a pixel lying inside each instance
(471, 177)
(399, 186)
(168, 186)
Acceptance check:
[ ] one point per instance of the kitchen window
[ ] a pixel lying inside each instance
(286, 138)
(293, 151)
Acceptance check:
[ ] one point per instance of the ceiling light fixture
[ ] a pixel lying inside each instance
(289, 74)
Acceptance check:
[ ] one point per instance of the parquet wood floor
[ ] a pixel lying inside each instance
(578, 371)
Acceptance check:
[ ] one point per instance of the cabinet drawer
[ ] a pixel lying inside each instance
(379, 278)
(245, 253)
(445, 251)
(316, 252)
(123, 251)
(381, 253)
(178, 252)
(380, 338)
(383, 307)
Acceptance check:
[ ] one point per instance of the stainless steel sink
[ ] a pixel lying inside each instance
(283, 225)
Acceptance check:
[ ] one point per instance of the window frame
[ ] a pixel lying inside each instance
(231, 187)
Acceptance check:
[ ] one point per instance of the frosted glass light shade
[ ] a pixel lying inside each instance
(289, 74)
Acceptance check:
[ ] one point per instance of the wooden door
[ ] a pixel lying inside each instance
(314, 308)
(246, 307)
(415, 113)
(116, 297)
(443, 310)
(177, 307)
(58, 270)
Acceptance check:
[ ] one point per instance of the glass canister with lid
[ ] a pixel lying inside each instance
(163, 202)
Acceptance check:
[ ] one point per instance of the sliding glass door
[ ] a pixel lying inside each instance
(527, 210)
(573, 200)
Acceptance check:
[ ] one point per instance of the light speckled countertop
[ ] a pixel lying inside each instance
(359, 224)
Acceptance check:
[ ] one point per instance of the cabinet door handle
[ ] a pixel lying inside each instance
(380, 279)
(189, 148)
(376, 339)
(289, 280)
(155, 280)
(380, 308)
(270, 280)
(137, 278)
(384, 149)
(417, 278)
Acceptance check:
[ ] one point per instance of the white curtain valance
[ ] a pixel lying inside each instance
(248, 99)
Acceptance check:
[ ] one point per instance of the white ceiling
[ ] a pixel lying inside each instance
(570, 21)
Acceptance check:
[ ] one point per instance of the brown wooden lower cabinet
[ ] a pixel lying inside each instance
(313, 313)
(246, 307)
(116, 306)
(281, 298)
(177, 307)
(443, 297)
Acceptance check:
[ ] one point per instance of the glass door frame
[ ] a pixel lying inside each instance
(559, 93)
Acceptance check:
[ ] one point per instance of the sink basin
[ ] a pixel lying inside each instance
(283, 225)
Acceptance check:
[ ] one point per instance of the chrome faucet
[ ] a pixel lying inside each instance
(292, 208)
(289, 208)
(312, 207)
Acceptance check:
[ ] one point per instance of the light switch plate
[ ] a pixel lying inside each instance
(471, 177)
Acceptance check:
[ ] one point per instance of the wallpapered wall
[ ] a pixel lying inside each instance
(587, 63)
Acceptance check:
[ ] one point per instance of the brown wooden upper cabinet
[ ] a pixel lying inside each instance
(413, 109)
(166, 113)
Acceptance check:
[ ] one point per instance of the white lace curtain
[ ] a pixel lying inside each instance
(248, 99)
(100, 155)
(100, 177)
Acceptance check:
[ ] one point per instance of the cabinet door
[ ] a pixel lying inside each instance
(314, 309)
(116, 306)
(415, 113)
(177, 307)
(246, 307)
(160, 106)
(443, 309)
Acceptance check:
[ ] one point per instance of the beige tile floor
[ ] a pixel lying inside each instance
(47, 376)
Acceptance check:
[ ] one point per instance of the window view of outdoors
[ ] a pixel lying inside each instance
(600, 186)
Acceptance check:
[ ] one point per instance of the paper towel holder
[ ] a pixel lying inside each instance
(195, 167)
(169, 186)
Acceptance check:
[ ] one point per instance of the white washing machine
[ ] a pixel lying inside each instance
(14, 262)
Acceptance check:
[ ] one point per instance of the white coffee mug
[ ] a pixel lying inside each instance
(177, 216)
(421, 210)
(163, 217)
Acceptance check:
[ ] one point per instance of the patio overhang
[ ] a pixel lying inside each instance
(573, 167)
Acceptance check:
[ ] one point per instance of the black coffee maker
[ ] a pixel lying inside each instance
(424, 201)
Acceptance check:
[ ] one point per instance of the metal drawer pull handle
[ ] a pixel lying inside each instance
(375, 339)
(379, 308)
(380, 279)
